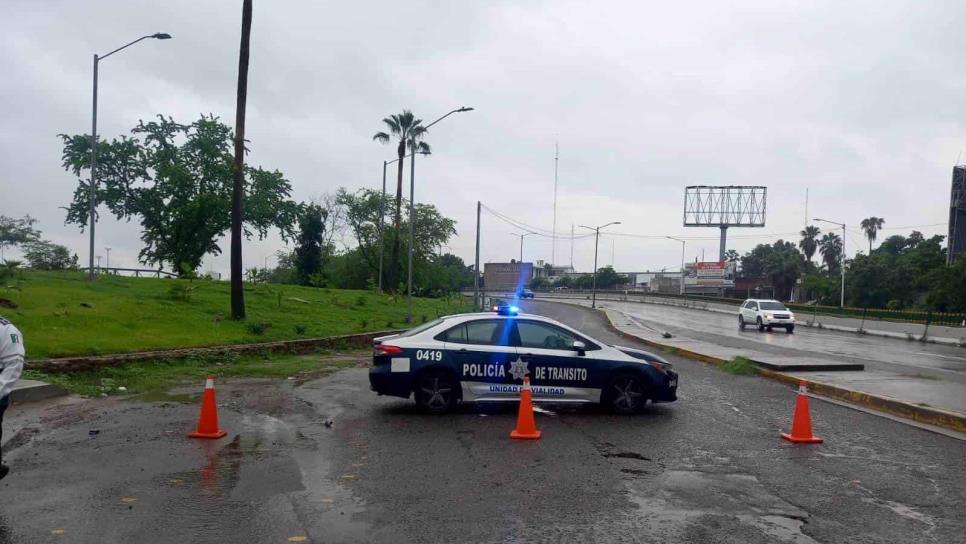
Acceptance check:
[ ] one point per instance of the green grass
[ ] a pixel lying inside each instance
(61, 314)
(740, 366)
(151, 380)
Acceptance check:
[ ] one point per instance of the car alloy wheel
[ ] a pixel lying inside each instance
(761, 326)
(741, 322)
(627, 394)
(436, 392)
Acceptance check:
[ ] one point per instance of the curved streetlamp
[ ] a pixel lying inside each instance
(593, 302)
(412, 203)
(93, 186)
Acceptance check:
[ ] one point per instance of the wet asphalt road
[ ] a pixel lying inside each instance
(709, 468)
(939, 361)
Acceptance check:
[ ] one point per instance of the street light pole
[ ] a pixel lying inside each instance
(682, 260)
(108, 250)
(841, 259)
(412, 204)
(593, 302)
(93, 185)
(382, 218)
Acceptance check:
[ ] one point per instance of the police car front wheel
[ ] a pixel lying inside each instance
(436, 392)
(626, 394)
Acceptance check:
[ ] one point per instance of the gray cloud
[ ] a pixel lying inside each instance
(859, 102)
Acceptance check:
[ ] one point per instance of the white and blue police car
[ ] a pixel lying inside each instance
(483, 357)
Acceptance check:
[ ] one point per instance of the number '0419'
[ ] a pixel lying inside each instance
(429, 355)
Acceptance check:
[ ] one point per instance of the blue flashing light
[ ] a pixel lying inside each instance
(514, 310)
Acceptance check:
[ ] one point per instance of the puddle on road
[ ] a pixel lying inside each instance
(679, 498)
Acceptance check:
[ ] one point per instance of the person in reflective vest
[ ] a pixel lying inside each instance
(11, 366)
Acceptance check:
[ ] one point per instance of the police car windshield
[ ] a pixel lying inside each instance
(425, 326)
(772, 306)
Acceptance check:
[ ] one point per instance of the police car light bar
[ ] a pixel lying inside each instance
(506, 310)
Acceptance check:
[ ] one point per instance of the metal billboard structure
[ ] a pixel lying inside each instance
(723, 207)
(956, 243)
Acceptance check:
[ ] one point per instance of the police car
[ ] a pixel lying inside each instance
(483, 357)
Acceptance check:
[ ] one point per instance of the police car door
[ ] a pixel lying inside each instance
(557, 371)
(482, 350)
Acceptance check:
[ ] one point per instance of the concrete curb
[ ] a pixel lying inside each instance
(32, 391)
(960, 342)
(79, 364)
(880, 403)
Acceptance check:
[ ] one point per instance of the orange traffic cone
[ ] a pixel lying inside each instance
(208, 422)
(802, 421)
(526, 426)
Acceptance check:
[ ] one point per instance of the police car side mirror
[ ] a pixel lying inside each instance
(579, 347)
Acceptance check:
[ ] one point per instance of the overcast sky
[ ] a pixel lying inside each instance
(860, 102)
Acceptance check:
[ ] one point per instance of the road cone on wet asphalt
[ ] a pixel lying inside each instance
(208, 421)
(526, 425)
(802, 421)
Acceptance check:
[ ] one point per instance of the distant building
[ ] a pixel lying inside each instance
(507, 277)
(957, 215)
(544, 269)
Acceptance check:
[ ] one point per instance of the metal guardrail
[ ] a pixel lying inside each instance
(922, 317)
(137, 272)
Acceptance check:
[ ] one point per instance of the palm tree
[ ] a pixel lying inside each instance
(732, 256)
(409, 131)
(808, 244)
(238, 167)
(830, 246)
(872, 226)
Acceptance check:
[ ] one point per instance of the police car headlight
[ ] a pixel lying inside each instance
(768, 315)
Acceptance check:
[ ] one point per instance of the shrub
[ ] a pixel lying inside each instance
(300, 330)
(364, 324)
(257, 329)
(361, 300)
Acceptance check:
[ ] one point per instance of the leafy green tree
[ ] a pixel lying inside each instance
(177, 180)
(948, 289)
(308, 248)
(607, 278)
(780, 262)
(408, 130)
(564, 281)
(830, 246)
(732, 256)
(540, 283)
(809, 243)
(871, 226)
(361, 212)
(584, 281)
(46, 255)
(17, 231)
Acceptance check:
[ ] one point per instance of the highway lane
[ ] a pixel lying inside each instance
(908, 357)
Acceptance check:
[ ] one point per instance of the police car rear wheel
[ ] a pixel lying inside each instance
(626, 394)
(436, 392)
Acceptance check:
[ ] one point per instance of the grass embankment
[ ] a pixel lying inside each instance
(61, 314)
(150, 380)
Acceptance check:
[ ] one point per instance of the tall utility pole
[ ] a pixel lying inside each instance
(593, 302)
(238, 167)
(682, 260)
(93, 185)
(477, 303)
(412, 216)
(108, 251)
(522, 236)
(553, 251)
(841, 258)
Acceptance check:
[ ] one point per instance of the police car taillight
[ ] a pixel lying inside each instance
(383, 349)
(506, 310)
